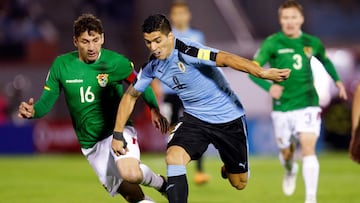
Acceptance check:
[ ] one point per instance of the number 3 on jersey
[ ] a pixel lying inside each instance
(86, 96)
(297, 65)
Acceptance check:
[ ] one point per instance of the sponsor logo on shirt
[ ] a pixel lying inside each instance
(286, 51)
(102, 79)
(74, 81)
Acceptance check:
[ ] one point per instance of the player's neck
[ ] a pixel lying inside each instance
(295, 35)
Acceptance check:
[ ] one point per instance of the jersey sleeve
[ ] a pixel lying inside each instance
(144, 78)
(148, 94)
(329, 66)
(50, 93)
(261, 57)
(196, 53)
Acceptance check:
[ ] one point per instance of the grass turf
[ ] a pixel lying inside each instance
(70, 179)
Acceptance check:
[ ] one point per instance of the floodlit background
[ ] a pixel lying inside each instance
(33, 32)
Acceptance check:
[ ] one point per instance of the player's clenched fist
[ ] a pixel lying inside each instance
(276, 74)
(26, 110)
(119, 144)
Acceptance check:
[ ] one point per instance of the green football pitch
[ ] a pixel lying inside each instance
(70, 179)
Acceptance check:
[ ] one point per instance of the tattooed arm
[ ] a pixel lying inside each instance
(125, 109)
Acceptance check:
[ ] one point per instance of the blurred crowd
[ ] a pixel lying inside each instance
(23, 21)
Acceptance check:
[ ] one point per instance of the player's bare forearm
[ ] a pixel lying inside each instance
(342, 90)
(126, 107)
(225, 59)
(239, 63)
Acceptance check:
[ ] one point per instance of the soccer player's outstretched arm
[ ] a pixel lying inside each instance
(355, 130)
(47, 100)
(125, 109)
(330, 68)
(225, 59)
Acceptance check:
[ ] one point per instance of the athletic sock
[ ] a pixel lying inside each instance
(311, 175)
(288, 165)
(177, 189)
(150, 178)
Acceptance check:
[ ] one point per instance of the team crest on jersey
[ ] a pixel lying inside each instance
(102, 79)
(308, 51)
(181, 66)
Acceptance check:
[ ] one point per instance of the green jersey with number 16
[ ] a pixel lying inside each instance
(92, 92)
(294, 53)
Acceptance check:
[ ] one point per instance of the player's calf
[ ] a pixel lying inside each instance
(131, 192)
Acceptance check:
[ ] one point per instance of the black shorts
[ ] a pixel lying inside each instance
(194, 135)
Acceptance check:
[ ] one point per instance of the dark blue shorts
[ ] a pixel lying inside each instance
(230, 139)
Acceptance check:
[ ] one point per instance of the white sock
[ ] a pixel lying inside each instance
(311, 175)
(288, 165)
(150, 178)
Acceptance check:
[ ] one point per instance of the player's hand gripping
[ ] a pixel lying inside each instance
(276, 91)
(119, 144)
(342, 91)
(26, 110)
(159, 121)
(276, 74)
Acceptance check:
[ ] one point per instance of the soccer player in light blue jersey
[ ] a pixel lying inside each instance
(212, 112)
(180, 17)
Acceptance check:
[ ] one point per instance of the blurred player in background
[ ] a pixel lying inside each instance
(91, 79)
(355, 130)
(212, 112)
(171, 105)
(296, 112)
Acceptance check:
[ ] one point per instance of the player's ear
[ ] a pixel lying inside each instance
(302, 19)
(171, 35)
(102, 38)
(75, 41)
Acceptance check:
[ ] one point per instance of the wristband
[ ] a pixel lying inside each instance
(120, 136)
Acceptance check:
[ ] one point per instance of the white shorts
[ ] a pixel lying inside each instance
(288, 125)
(103, 160)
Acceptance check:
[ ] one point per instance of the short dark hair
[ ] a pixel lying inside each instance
(87, 23)
(157, 22)
(291, 4)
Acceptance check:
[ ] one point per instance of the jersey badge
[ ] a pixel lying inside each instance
(181, 66)
(103, 79)
(308, 51)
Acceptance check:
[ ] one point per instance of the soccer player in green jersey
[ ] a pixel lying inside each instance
(91, 79)
(296, 111)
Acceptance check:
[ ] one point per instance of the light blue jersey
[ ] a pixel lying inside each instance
(191, 72)
(190, 34)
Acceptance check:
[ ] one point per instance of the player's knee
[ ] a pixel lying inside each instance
(132, 176)
(287, 155)
(176, 155)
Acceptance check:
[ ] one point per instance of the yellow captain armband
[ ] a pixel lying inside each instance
(204, 54)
